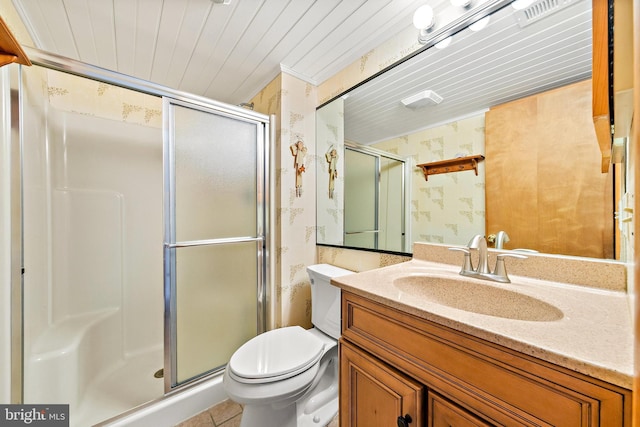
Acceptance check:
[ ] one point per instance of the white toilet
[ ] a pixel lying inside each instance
(288, 377)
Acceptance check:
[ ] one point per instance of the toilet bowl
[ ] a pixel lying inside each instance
(288, 377)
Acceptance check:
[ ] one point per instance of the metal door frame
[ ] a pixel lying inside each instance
(170, 243)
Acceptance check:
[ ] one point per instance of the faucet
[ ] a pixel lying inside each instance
(498, 239)
(479, 243)
(501, 238)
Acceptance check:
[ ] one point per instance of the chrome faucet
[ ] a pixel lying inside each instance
(479, 243)
(499, 239)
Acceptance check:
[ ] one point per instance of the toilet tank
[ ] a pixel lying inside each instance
(325, 298)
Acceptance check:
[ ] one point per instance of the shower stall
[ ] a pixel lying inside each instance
(144, 234)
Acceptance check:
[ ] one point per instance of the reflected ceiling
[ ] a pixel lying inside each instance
(500, 63)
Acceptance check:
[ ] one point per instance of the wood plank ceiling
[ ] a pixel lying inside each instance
(227, 52)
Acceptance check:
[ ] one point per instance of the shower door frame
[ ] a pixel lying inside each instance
(171, 243)
(405, 192)
(71, 66)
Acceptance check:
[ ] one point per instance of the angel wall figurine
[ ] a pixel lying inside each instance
(332, 158)
(299, 152)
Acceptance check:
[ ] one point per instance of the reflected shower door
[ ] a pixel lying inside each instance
(361, 180)
(215, 236)
(391, 213)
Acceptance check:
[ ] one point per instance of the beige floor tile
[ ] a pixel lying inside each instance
(233, 422)
(203, 419)
(334, 422)
(224, 411)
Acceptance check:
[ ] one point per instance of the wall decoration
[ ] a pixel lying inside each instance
(299, 152)
(332, 158)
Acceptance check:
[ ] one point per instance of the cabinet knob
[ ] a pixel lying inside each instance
(404, 421)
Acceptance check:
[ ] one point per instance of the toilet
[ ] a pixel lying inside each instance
(288, 377)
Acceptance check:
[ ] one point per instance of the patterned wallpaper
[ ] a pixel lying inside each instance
(85, 96)
(293, 101)
(330, 203)
(448, 208)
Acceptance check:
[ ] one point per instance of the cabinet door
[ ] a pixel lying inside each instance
(443, 413)
(374, 394)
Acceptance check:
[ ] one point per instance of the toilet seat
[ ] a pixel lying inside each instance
(276, 355)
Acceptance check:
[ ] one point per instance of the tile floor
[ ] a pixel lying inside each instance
(225, 414)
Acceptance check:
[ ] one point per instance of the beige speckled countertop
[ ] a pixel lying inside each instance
(592, 335)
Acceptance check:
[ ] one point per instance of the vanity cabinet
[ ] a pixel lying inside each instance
(393, 363)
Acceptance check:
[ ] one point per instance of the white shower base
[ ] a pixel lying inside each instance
(175, 408)
(128, 384)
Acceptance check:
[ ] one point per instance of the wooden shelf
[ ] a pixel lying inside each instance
(10, 50)
(451, 165)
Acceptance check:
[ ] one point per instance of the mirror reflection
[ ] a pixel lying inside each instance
(517, 93)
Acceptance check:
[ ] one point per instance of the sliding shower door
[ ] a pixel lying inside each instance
(214, 238)
(361, 180)
(374, 200)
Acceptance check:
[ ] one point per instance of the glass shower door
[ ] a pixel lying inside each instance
(361, 188)
(214, 237)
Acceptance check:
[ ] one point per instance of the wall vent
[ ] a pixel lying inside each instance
(541, 9)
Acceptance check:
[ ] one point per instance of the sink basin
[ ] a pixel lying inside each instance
(478, 298)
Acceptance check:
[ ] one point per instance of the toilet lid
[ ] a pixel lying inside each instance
(275, 355)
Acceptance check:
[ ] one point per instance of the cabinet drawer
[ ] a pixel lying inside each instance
(506, 387)
(443, 413)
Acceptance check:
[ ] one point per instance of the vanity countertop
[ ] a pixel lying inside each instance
(593, 335)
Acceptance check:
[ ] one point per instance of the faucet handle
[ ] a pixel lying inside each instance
(466, 265)
(501, 270)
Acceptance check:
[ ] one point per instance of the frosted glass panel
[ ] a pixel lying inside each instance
(216, 170)
(360, 200)
(391, 212)
(216, 304)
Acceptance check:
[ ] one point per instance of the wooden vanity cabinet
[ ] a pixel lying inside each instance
(395, 364)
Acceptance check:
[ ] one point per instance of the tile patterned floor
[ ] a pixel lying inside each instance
(225, 414)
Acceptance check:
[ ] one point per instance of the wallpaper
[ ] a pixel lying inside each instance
(448, 208)
(330, 179)
(293, 102)
(85, 96)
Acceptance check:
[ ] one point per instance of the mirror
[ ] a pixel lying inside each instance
(456, 88)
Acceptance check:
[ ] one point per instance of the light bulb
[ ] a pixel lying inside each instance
(423, 17)
(443, 44)
(479, 25)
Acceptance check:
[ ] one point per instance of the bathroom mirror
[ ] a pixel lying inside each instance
(453, 85)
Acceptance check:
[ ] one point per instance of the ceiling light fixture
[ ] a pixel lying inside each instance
(424, 20)
(422, 99)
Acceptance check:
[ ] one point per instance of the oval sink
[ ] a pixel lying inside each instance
(478, 298)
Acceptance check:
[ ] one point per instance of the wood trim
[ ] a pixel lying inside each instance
(635, 144)
(600, 79)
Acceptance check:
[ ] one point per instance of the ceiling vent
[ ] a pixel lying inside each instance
(541, 9)
(422, 99)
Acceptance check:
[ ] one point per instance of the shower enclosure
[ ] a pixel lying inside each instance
(145, 227)
(374, 199)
